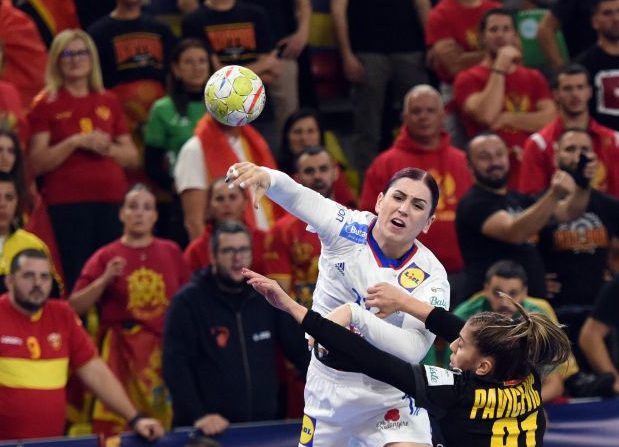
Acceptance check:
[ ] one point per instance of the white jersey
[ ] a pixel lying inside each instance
(348, 265)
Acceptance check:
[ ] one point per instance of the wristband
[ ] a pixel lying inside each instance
(498, 71)
(134, 420)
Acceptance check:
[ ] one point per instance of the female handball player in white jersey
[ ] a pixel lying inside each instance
(363, 254)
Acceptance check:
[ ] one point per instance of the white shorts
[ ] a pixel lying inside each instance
(351, 409)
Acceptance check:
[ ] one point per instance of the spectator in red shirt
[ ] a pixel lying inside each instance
(500, 94)
(572, 91)
(423, 143)
(79, 147)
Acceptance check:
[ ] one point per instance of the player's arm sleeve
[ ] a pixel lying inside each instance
(359, 354)
(411, 345)
(325, 216)
(444, 324)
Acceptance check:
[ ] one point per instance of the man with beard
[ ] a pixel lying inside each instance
(572, 91)
(41, 341)
(220, 341)
(494, 223)
(602, 61)
(575, 253)
(501, 95)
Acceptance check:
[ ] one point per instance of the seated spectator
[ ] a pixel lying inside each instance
(500, 94)
(423, 143)
(510, 278)
(131, 282)
(572, 92)
(79, 147)
(171, 123)
(578, 248)
(14, 239)
(453, 42)
(24, 52)
(303, 129)
(220, 342)
(207, 156)
(223, 204)
(493, 222)
(595, 333)
(574, 18)
(57, 345)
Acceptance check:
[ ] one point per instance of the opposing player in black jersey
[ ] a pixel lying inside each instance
(492, 395)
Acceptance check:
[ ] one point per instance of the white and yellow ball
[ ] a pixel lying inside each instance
(234, 95)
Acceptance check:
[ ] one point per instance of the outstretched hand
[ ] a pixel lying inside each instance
(386, 297)
(248, 175)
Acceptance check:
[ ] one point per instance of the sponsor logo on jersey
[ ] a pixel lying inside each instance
(307, 431)
(264, 335)
(355, 232)
(411, 277)
(438, 376)
(391, 420)
(438, 302)
(339, 266)
(11, 340)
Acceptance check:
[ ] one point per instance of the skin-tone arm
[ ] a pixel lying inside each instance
(591, 342)
(548, 26)
(552, 387)
(285, 284)
(194, 207)
(212, 424)
(353, 69)
(84, 299)
(486, 105)
(423, 8)
(527, 121)
(294, 43)
(99, 378)
(44, 158)
(450, 56)
(519, 228)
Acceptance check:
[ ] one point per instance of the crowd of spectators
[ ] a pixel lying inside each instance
(111, 169)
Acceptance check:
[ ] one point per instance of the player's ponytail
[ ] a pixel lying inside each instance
(519, 345)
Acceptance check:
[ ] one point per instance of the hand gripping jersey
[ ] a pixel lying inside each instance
(349, 263)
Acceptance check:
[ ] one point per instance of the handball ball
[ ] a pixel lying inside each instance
(234, 95)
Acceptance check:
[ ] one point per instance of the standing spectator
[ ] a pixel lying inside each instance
(580, 247)
(378, 44)
(24, 53)
(454, 44)
(220, 342)
(572, 91)
(207, 156)
(171, 123)
(602, 61)
(223, 203)
(131, 282)
(135, 51)
(494, 222)
(423, 143)
(597, 328)
(34, 406)
(573, 17)
(303, 129)
(79, 147)
(500, 94)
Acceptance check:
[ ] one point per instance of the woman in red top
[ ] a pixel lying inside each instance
(78, 149)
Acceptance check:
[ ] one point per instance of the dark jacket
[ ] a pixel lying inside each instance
(219, 351)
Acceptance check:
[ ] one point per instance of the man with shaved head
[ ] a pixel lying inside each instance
(423, 143)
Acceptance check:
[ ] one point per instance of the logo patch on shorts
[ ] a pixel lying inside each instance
(355, 232)
(438, 376)
(307, 431)
(391, 420)
(411, 277)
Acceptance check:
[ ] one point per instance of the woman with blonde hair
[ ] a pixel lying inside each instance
(79, 148)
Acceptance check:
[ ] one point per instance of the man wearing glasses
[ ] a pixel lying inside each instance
(220, 342)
